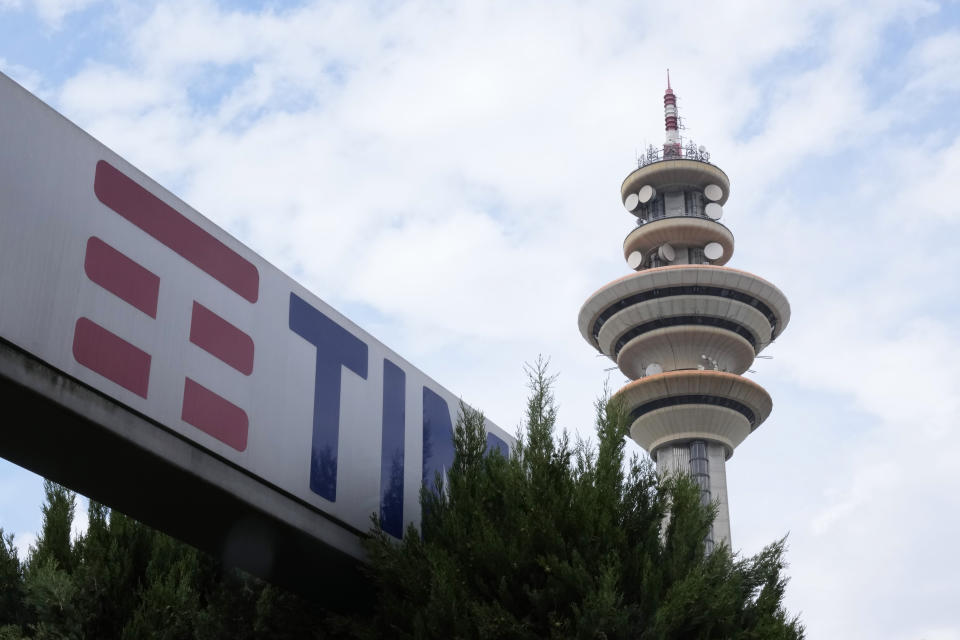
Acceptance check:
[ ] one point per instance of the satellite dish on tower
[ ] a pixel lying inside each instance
(666, 252)
(634, 260)
(653, 369)
(632, 202)
(646, 194)
(712, 191)
(713, 211)
(713, 251)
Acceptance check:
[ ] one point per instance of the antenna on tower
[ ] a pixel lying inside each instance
(672, 145)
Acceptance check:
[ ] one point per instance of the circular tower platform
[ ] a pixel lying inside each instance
(680, 406)
(677, 173)
(674, 316)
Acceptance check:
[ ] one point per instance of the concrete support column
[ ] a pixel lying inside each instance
(706, 462)
(717, 456)
(673, 459)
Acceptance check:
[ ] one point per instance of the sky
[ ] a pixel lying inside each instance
(447, 175)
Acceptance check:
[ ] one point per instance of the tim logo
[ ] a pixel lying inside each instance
(108, 354)
(338, 351)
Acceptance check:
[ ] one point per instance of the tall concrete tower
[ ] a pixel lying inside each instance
(684, 327)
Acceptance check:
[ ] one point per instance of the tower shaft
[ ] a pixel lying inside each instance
(706, 462)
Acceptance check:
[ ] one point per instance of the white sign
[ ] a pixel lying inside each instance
(114, 281)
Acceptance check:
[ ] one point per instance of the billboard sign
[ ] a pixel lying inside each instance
(112, 280)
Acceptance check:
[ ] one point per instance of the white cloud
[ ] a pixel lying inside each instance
(80, 519)
(101, 91)
(932, 65)
(23, 541)
(926, 181)
(940, 634)
(51, 12)
(26, 77)
(54, 11)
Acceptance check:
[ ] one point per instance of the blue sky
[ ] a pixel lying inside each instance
(448, 176)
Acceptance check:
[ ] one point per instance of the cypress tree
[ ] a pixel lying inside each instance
(53, 543)
(566, 540)
(168, 605)
(129, 581)
(93, 573)
(11, 583)
(51, 601)
(49, 607)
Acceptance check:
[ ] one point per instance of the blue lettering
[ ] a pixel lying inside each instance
(391, 452)
(438, 450)
(493, 442)
(336, 348)
(437, 437)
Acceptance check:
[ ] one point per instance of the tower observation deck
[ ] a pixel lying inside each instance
(684, 327)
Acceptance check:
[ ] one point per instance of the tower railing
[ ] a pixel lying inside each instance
(689, 151)
(669, 216)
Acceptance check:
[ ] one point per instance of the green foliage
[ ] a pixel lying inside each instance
(10, 632)
(125, 580)
(280, 614)
(53, 543)
(567, 541)
(11, 583)
(168, 605)
(51, 599)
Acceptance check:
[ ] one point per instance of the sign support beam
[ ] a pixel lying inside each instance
(62, 429)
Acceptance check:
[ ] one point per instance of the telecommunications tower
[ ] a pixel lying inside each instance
(684, 328)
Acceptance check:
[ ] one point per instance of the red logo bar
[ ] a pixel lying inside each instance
(121, 276)
(214, 415)
(111, 356)
(170, 227)
(218, 337)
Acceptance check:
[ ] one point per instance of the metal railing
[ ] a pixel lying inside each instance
(689, 151)
(641, 222)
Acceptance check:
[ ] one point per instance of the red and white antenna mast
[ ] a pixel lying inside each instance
(671, 148)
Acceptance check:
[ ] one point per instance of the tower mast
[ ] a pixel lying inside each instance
(684, 328)
(671, 147)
